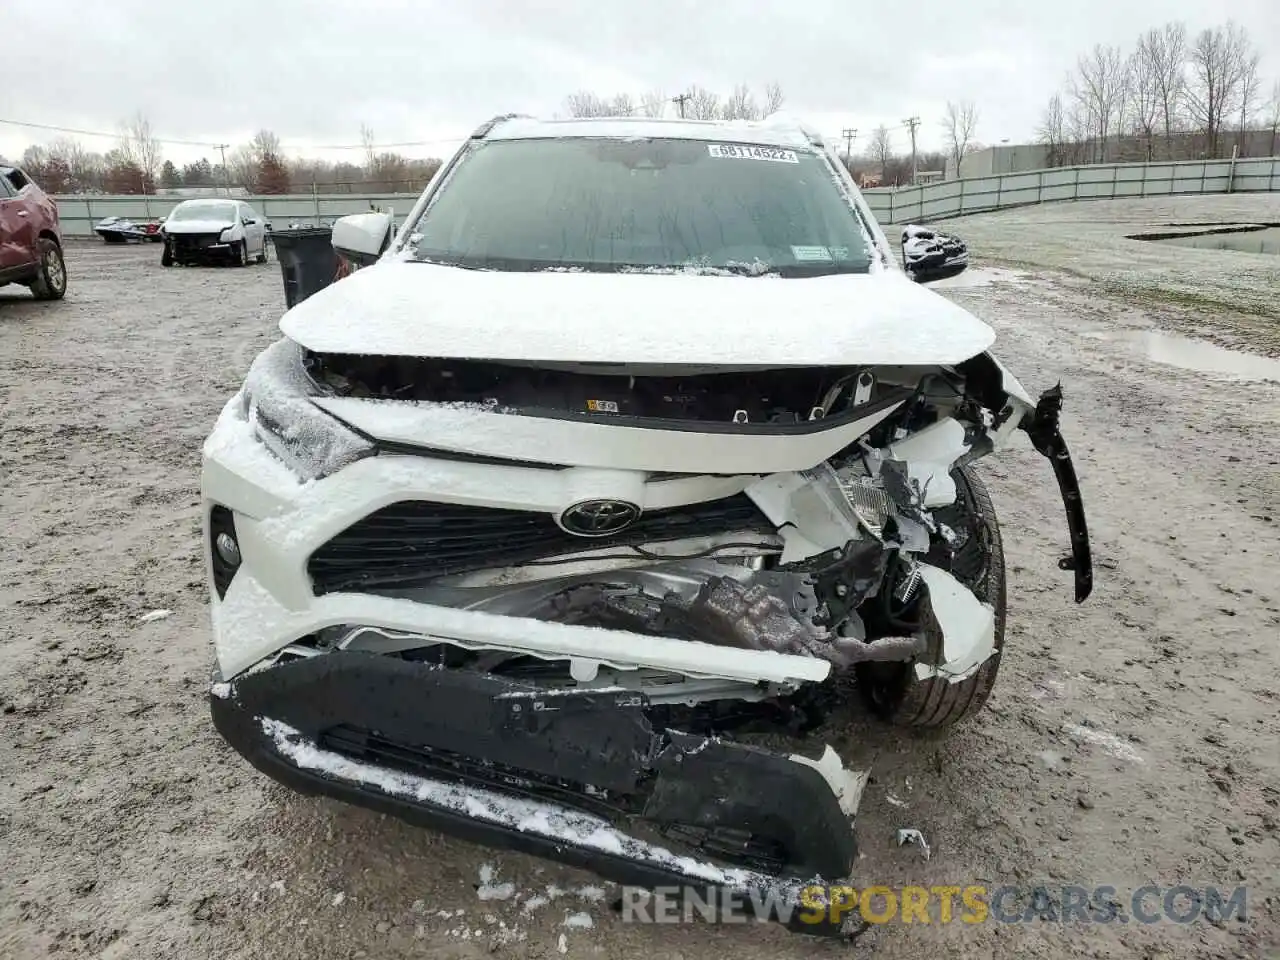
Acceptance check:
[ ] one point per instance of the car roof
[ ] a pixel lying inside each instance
(776, 131)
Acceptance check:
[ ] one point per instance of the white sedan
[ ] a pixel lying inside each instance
(214, 229)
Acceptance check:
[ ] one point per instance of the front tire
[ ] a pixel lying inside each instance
(262, 257)
(166, 257)
(893, 690)
(50, 282)
(240, 251)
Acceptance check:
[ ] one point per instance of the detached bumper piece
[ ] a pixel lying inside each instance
(579, 776)
(1042, 427)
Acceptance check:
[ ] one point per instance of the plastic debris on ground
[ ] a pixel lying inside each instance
(910, 835)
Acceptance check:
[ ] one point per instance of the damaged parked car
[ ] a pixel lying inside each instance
(928, 254)
(209, 230)
(579, 521)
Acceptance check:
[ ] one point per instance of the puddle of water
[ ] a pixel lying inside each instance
(1191, 354)
(1252, 241)
(979, 277)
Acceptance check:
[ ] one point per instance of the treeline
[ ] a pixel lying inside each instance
(136, 165)
(696, 103)
(1172, 96)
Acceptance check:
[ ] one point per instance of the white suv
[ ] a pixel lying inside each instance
(635, 445)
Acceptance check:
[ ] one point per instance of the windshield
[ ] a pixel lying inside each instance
(653, 204)
(204, 211)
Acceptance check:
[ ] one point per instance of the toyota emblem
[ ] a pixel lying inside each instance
(599, 518)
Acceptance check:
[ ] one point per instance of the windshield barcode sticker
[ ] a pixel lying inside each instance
(810, 254)
(738, 151)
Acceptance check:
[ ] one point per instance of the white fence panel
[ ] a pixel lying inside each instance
(932, 201)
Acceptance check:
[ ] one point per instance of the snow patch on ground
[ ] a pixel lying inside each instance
(534, 902)
(980, 277)
(489, 890)
(1107, 741)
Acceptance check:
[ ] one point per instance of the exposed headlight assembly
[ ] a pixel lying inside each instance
(277, 397)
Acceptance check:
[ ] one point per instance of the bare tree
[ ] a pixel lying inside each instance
(959, 122)
(1219, 61)
(881, 149)
(1144, 95)
(242, 167)
(1052, 131)
(85, 168)
(584, 103)
(773, 99)
(370, 150)
(653, 103)
(1249, 81)
(140, 147)
(702, 104)
(265, 142)
(1273, 116)
(1099, 88)
(622, 106)
(1164, 54)
(740, 104)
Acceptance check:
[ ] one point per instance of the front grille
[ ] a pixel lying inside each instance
(193, 242)
(369, 747)
(414, 542)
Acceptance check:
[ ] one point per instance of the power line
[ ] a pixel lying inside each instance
(680, 101)
(173, 141)
(99, 133)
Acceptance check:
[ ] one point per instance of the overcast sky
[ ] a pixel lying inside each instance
(314, 70)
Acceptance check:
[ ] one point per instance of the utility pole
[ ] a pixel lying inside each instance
(226, 174)
(850, 134)
(913, 122)
(680, 101)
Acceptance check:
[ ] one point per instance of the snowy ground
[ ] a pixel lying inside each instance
(1130, 740)
(1229, 295)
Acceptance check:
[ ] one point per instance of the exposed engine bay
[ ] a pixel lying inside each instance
(878, 555)
(751, 395)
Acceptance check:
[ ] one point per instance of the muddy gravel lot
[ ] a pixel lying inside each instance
(1131, 740)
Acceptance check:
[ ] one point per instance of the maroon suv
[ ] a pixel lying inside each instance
(30, 238)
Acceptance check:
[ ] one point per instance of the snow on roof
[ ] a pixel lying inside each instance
(777, 131)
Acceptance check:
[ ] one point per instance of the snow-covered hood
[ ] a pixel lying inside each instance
(214, 225)
(398, 308)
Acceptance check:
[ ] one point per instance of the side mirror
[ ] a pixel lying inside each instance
(248, 221)
(362, 237)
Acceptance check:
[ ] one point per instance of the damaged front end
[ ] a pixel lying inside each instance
(609, 616)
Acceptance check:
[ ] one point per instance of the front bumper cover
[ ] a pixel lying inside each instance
(569, 776)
